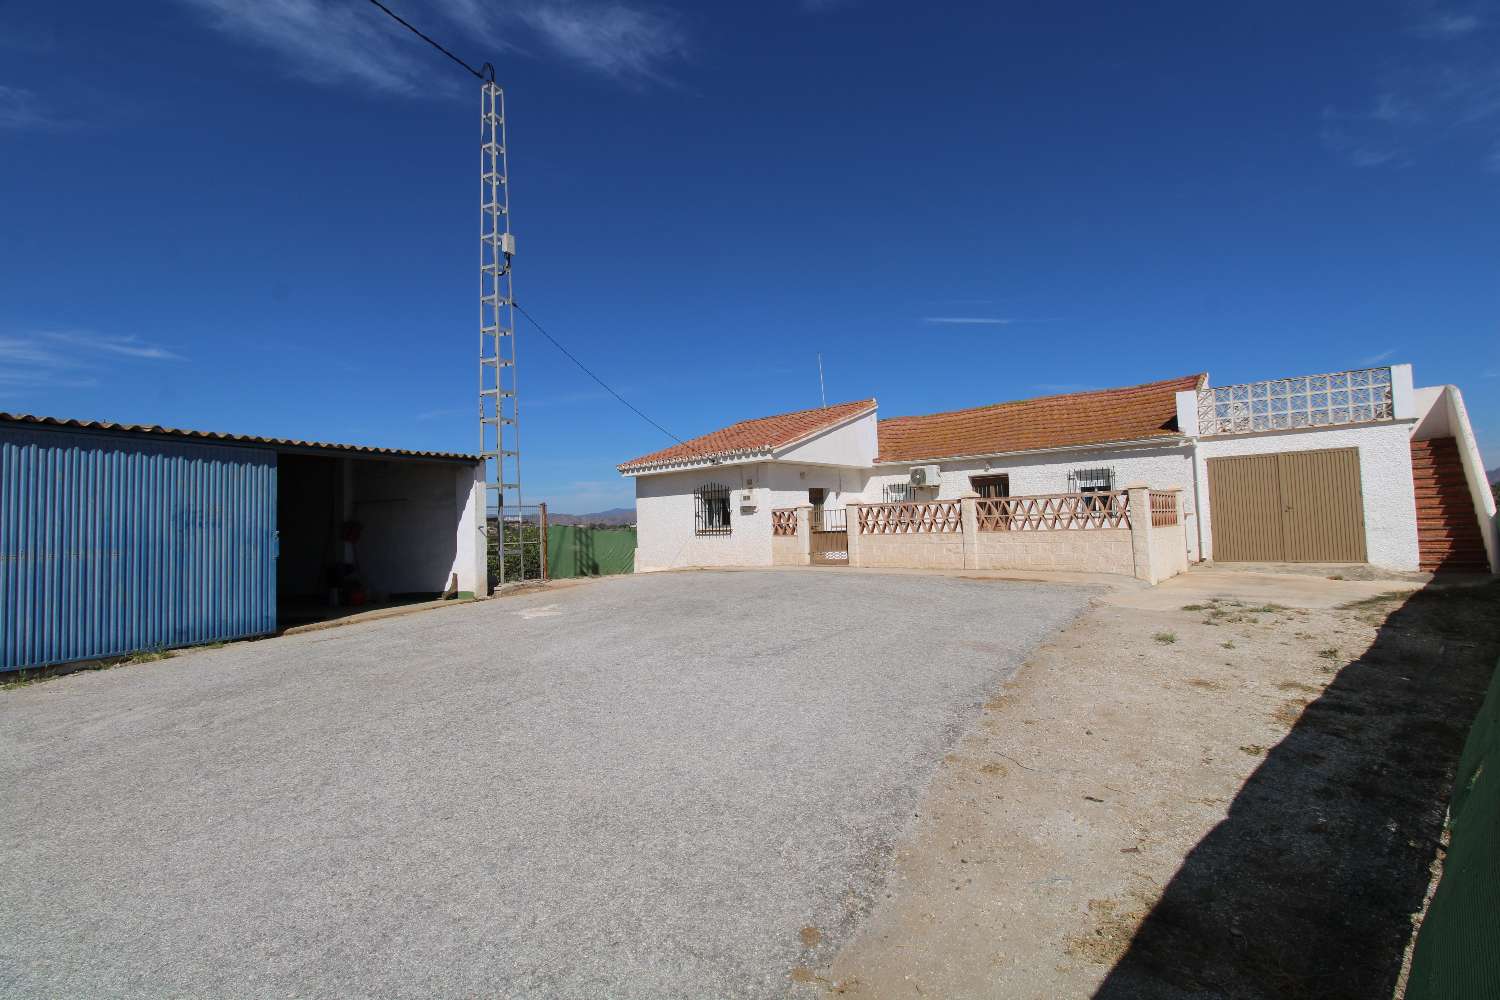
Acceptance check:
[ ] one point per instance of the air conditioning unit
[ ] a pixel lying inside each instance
(926, 475)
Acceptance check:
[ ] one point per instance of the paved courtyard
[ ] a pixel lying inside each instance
(680, 785)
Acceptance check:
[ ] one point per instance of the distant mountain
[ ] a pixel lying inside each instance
(1494, 475)
(613, 517)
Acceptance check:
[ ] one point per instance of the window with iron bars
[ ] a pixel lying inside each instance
(1096, 480)
(711, 505)
(895, 493)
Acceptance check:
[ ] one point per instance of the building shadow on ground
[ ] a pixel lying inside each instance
(1307, 888)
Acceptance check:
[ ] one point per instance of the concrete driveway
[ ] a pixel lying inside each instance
(681, 785)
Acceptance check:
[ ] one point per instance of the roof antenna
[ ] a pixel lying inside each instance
(821, 391)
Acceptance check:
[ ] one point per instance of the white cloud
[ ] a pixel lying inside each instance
(338, 41)
(1446, 25)
(968, 320)
(129, 347)
(19, 108)
(1440, 95)
(67, 360)
(1375, 359)
(611, 38)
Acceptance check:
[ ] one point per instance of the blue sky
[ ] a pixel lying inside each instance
(262, 217)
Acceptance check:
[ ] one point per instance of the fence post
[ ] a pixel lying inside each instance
(851, 529)
(1138, 504)
(541, 519)
(804, 534)
(969, 529)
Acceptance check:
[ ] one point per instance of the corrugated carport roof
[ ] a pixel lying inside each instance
(284, 444)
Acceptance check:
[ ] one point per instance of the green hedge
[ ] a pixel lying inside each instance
(1458, 948)
(578, 551)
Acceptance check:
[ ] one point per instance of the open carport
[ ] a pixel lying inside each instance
(678, 785)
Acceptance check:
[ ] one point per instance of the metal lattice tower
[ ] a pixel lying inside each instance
(499, 406)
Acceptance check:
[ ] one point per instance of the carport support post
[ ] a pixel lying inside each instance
(1138, 504)
(851, 528)
(804, 534)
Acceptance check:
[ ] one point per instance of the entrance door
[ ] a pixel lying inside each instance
(1301, 506)
(829, 531)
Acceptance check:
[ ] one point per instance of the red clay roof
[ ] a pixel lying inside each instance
(1127, 414)
(749, 436)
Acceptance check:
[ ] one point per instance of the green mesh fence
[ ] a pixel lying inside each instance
(1458, 948)
(577, 551)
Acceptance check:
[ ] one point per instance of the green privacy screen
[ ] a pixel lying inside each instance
(578, 551)
(1458, 948)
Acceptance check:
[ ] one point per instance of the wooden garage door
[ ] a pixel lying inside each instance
(1300, 506)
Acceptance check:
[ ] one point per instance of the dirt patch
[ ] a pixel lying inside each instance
(811, 937)
(1113, 924)
(1273, 840)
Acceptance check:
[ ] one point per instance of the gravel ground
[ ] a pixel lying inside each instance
(1240, 800)
(681, 785)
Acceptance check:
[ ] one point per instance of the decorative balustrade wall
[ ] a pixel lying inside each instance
(1350, 397)
(1131, 532)
(1054, 512)
(935, 516)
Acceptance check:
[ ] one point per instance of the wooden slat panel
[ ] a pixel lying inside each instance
(1244, 496)
(1322, 506)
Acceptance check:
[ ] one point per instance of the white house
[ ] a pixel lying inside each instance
(1351, 467)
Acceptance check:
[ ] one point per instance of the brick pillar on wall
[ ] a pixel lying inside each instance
(851, 522)
(969, 517)
(804, 534)
(1139, 505)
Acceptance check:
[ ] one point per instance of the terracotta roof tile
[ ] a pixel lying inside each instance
(1126, 414)
(749, 436)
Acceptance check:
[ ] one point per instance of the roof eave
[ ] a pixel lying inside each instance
(696, 462)
(1173, 439)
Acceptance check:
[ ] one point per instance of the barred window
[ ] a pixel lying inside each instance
(1101, 480)
(991, 487)
(1097, 480)
(711, 504)
(895, 493)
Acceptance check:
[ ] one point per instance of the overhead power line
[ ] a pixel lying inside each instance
(584, 368)
(485, 72)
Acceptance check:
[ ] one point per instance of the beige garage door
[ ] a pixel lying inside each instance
(1298, 506)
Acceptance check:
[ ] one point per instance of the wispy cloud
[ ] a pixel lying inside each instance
(67, 360)
(1430, 20)
(968, 320)
(128, 347)
(1446, 92)
(1375, 359)
(20, 108)
(616, 39)
(335, 41)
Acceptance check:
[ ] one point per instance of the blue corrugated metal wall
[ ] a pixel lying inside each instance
(112, 544)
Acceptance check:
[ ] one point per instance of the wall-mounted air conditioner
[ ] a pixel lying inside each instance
(926, 475)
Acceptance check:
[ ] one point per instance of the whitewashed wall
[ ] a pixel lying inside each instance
(1157, 467)
(666, 528)
(423, 522)
(849, 445)
(1385, 480)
